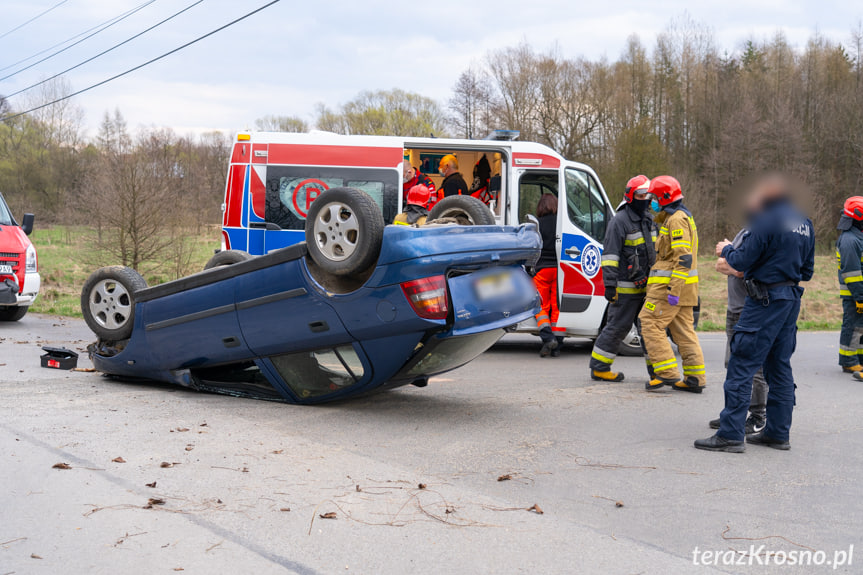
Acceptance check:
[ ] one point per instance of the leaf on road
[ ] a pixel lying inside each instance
(285, 509)
(618, 503)
(190, 447)
(61, 466)
(278, 451)
(151, 485)
(328, 515)
(536, 509)
(505, 477)
(182, 429)
(34, 556)
(421, 486)
(154, 501)
(118, 460)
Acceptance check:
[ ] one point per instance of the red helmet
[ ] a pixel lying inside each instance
(637, 185)
(854, 208)
(666, 189)
(418, 195)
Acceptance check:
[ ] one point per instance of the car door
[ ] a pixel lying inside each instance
(583, 214)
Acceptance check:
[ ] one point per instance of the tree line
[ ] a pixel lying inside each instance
(683, 106)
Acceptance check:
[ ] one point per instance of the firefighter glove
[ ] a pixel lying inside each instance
(611, 293)
(859, 306)
(673, 299)
(641, 282)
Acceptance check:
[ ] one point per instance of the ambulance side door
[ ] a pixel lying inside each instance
(583, 214)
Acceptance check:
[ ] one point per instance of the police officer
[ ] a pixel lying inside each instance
(672, 294)
(849, 251)
(776, 254)
(627, 257)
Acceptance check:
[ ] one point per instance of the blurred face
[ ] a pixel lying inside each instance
(640, 195)
(445, 168)
(408, 172)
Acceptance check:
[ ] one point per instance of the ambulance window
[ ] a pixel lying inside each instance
(531, 186)
(292, 189)
(585, 205)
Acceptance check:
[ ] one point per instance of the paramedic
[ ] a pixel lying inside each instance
(777, 252)
(413, 177)
(627, 257)
(545, 278)
(672, 294)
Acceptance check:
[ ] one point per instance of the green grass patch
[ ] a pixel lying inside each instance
(66, 259)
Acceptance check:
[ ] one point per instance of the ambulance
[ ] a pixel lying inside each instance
(19, 274)
(273, 178)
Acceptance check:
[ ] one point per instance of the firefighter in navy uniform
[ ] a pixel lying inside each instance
(849, 251)
(776, 254)
(672, 294)
(627, 257)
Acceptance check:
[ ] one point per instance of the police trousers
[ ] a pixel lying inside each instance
(764, 336)
(850, 346)
(758, 403)
(656, 317)
(622, 313)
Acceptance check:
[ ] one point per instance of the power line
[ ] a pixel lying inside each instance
(34, 18)
(114, 47)
(139, 66)
(103, 26)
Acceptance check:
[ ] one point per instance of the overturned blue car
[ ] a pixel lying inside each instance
(358, 307)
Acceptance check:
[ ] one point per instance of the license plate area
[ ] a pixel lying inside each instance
(6, 269)
(494, 286)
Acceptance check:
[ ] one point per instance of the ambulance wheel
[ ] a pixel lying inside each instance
(344, 231)
(227, 258)
(108, 301)
(467, 210)
(13, 312)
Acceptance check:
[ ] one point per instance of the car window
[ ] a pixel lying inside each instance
(315, 373)
(5, 214)
(242, 379)
(292, 189)
(585, 205)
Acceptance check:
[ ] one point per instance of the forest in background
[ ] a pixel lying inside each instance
(685, 106)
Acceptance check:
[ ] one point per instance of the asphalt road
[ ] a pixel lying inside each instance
(413, 476)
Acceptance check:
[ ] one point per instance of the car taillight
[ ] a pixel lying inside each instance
(428, 297)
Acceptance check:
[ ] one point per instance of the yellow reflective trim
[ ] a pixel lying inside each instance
(841, 291)
(692, 280)
(658, 280)
(610, 263)
(853, 279)
(848, 353)
(663, 365)
(679, 274)
(663, 230)
(637, 242)
(602, 358)
(631, 290)
(686, 245)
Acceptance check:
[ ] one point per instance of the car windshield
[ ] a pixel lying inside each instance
(5, 214)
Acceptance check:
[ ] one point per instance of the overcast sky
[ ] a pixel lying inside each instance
(296, 54)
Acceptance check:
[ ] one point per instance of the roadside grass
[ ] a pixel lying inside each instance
(821, 308)
(66, 259)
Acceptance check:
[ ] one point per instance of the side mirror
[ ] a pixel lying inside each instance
(27, 224)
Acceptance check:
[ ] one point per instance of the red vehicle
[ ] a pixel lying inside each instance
(19, 275)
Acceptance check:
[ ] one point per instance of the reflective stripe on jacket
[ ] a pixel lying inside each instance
(676, 268)
(849, 252)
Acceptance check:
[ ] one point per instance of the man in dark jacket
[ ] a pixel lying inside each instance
(453, 183)
(627, 257)
(776, 254)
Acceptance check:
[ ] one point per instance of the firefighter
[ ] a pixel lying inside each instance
(776, 254)
(627, 257)
(453, 183)
(416, 211)
(545, 278)
(413, 177)
(672, 293)
(849, 251)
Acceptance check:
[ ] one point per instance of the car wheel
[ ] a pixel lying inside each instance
(631, 344)
(12, 312)
(108, 301)
(344, 231)
(467, 210)
(227, 258)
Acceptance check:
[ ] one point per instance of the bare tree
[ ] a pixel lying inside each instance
(471, 105)
(390, 113)
(272, 123)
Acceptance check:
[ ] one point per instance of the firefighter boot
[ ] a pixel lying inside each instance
(606, 375)
(852, 368)
(689, 384)
(659, 382)
(858, 375)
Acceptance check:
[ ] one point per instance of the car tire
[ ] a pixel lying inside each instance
(108, 301)
(467, 210)
(12, 312)
(344, 231)
(227, 258)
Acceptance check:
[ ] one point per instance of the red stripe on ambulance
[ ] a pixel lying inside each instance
(296, 154)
